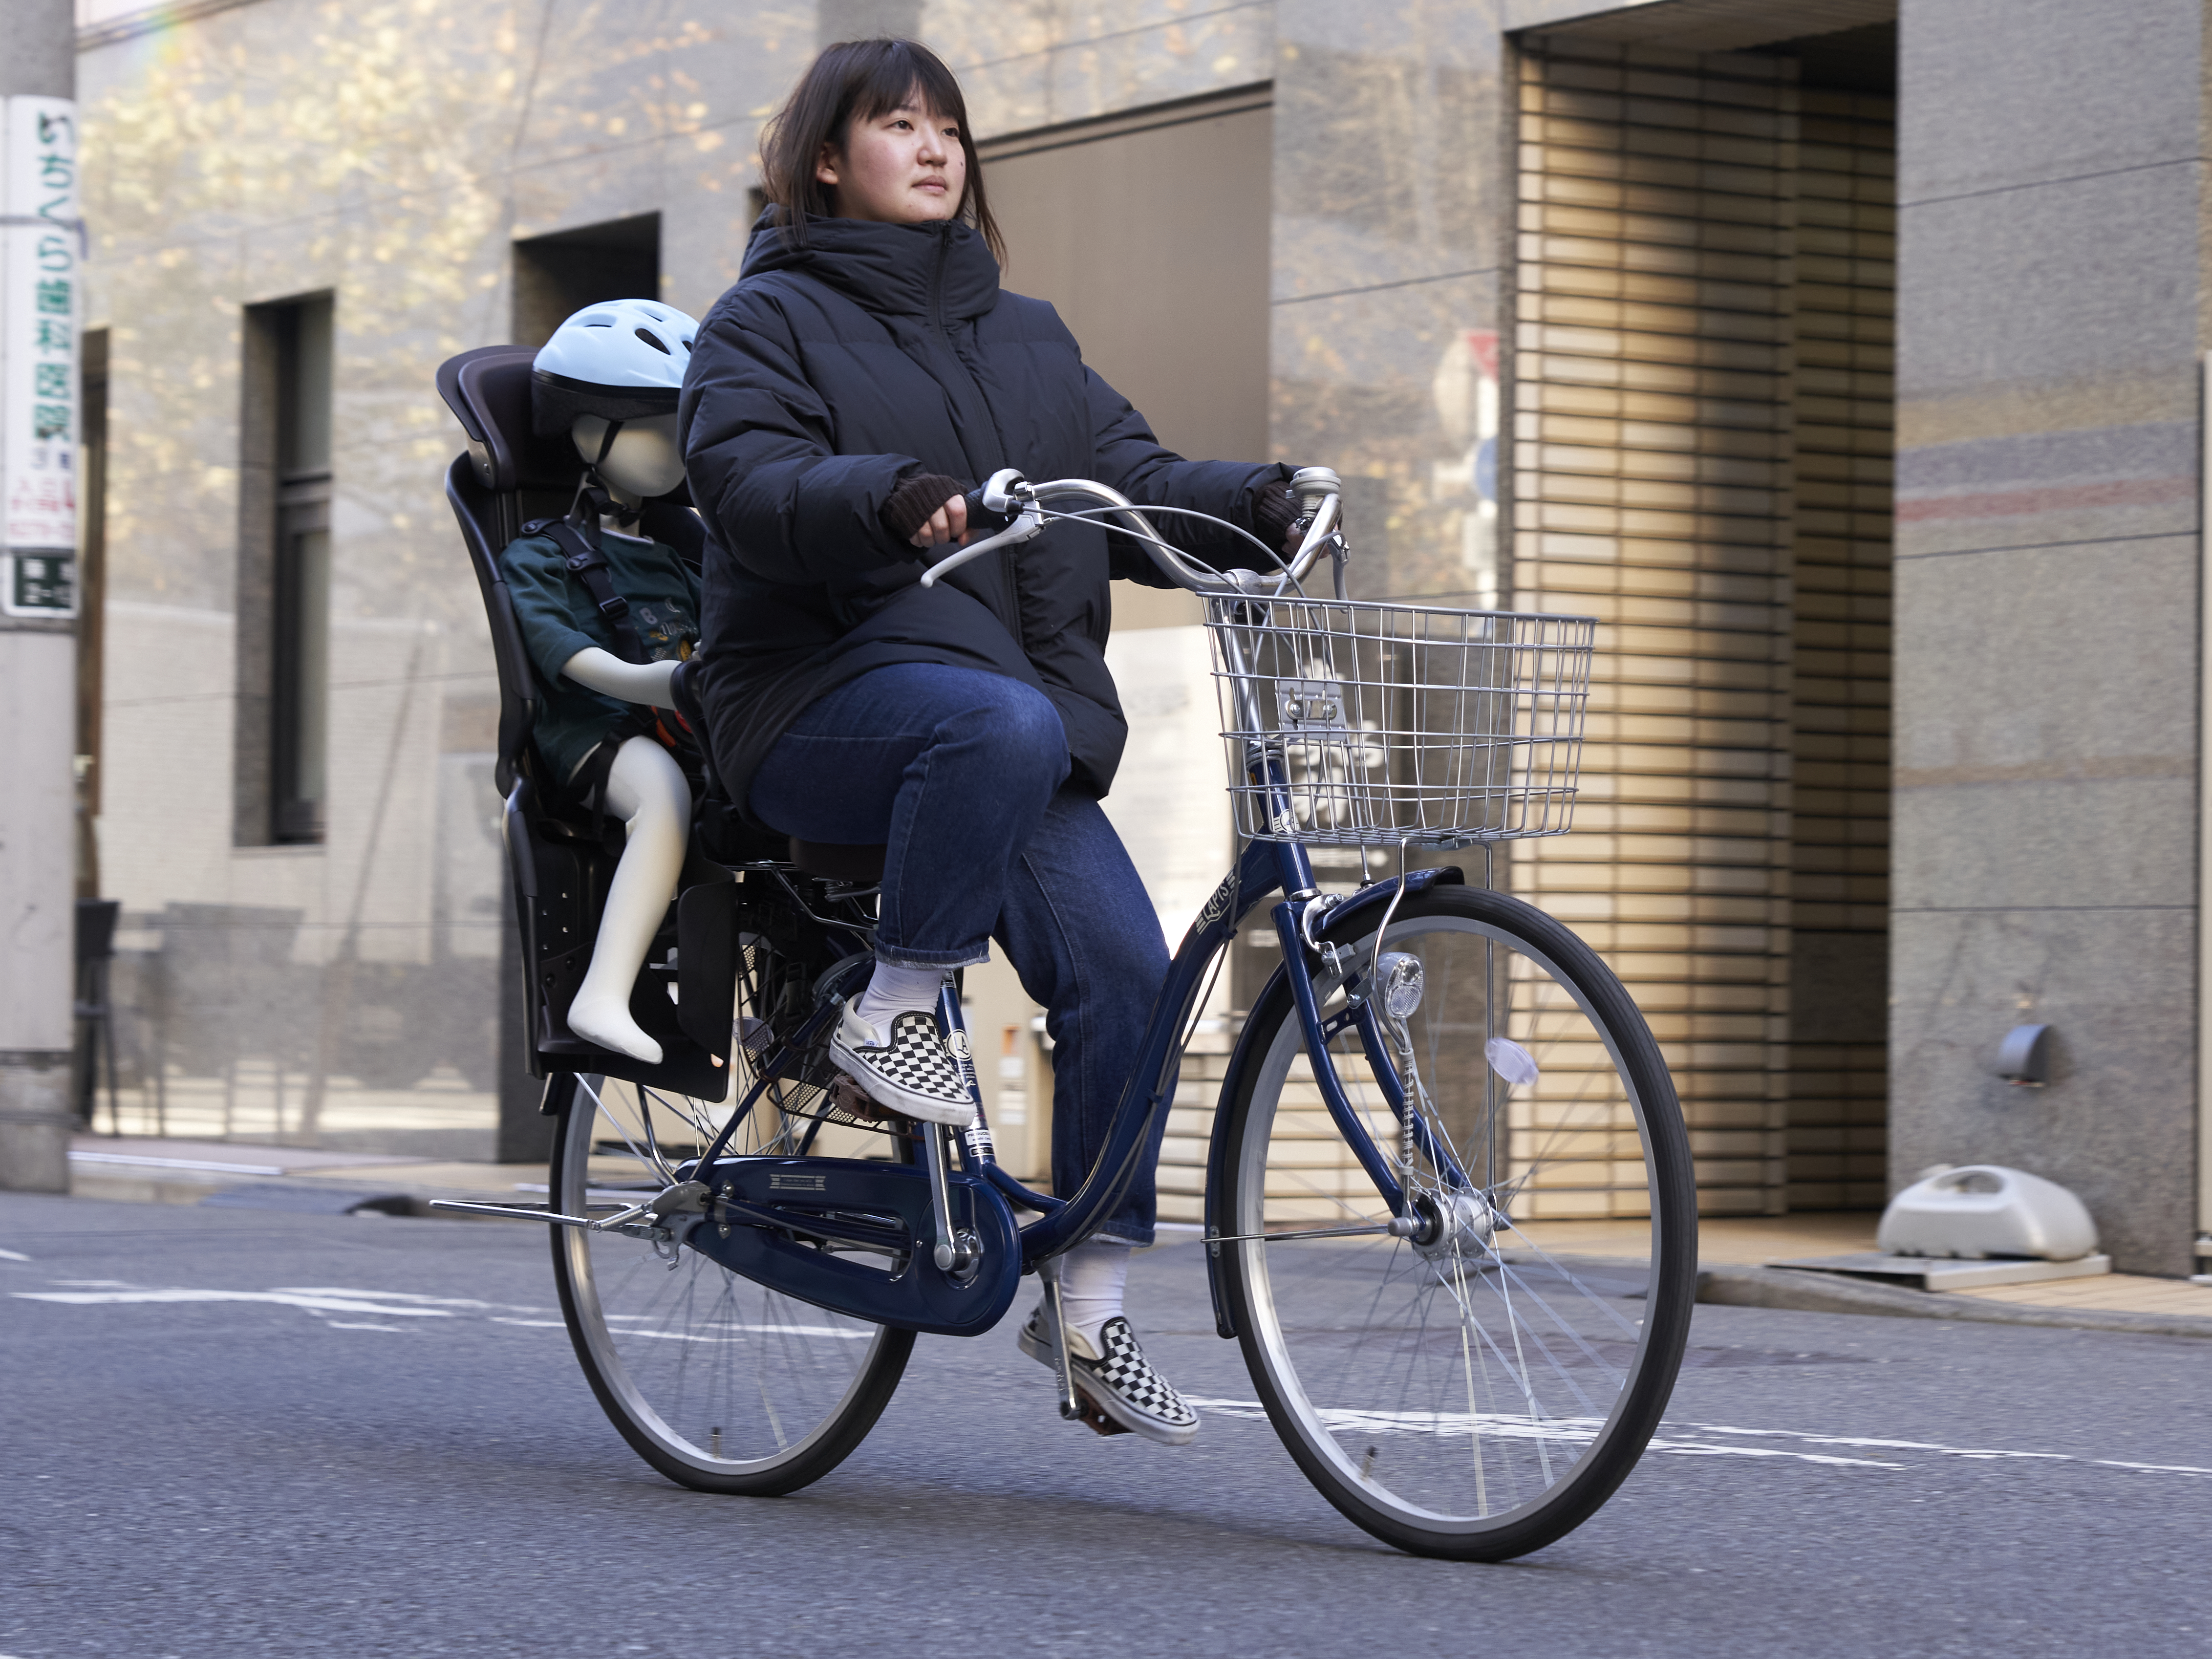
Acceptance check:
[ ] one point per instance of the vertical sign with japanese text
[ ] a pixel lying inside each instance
(41, 278)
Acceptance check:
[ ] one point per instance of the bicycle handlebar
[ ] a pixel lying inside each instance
(1009, 500)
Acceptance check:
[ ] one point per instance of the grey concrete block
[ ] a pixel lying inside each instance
(35, 1122)
(1392, 154)
(2060, 666)
(2091, 482)
(2115, 1122)
(2128, 843)
(2087, 281)
(1995, 94)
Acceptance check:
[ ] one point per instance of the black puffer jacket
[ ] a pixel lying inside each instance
(878, 351)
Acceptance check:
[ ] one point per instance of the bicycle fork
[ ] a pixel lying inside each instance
(1380, 1004)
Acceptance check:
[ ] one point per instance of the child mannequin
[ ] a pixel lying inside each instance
(615, 393)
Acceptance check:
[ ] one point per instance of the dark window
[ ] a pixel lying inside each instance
(1149, 233)
(557, 276)
(298, 337)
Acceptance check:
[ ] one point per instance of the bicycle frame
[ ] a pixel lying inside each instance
(1264, 868)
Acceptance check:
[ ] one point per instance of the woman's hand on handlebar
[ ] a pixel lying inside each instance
(947, 527)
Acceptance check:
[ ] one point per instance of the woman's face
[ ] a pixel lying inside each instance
(904, 168)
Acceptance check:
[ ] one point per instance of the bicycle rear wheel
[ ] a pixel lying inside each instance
(721, 1384)
(1478, 1390)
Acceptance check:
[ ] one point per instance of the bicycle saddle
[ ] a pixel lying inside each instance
(838, 863)
(863, 865)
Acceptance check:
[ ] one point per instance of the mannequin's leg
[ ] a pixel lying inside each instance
(647, 789)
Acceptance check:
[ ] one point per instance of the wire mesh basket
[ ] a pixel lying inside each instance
(1400, 722)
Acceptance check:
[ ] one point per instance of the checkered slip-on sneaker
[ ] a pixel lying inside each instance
(1120, 1383)
(908, 1068)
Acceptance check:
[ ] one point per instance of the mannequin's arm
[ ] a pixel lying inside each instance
(604, 671)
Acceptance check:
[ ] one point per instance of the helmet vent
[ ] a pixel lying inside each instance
(654, 341)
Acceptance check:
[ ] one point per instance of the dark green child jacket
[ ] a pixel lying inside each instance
(558, 620)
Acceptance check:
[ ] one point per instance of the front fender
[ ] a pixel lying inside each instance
(1247, 1056)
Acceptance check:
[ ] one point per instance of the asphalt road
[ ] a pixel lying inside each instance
(215, 1475)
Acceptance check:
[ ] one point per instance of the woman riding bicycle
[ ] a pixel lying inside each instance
(865, 371)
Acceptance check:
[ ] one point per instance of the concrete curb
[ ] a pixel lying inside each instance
(1816, 1292)
(192, 1188)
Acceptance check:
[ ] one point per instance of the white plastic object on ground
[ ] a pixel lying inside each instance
(1510, 1061)
(1980, 1210)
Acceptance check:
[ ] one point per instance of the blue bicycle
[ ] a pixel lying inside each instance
(1449, 1212)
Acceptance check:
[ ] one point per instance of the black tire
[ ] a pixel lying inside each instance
(1378, 1358)
(721, 1384)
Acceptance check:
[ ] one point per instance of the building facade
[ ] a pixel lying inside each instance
(1843, 357)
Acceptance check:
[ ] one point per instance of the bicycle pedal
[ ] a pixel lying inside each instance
(846, 1097)
(1095, 1420)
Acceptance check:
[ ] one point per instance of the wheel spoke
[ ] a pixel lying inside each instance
(721, 1383)
(1501, 1372)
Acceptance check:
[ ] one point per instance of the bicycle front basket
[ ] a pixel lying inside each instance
(1399, 722)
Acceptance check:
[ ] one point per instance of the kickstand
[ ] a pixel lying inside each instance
(1071, 1402)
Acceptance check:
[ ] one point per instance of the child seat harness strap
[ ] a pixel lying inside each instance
(589, 566)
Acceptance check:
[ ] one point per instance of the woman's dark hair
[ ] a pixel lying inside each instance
(858, 80)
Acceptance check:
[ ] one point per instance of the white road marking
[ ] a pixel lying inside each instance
(1681, 1439)
(842, 1335)
(281, 1298)
(1507, 1426)
(402, 1295)
(1675, 1442)
(12, 1255)
(405, 1305)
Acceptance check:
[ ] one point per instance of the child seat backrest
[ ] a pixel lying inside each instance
(508, 476)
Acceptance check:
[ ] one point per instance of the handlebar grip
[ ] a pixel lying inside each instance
(981, 518)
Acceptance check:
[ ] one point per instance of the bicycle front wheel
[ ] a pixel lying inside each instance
(721, 1384)
(1478, 1389)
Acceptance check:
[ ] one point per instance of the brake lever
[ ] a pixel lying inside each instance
(1026, 524)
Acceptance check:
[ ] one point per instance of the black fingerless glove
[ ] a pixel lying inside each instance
(913, 503)
(1275, 513)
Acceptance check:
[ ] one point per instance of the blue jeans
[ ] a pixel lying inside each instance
(958, 772)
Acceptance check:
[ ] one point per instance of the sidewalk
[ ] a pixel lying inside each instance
(1755, 1241)
(136, 1169)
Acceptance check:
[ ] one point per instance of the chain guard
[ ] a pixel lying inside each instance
(877, 1201)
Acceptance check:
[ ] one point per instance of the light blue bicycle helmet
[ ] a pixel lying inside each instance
(621, 359)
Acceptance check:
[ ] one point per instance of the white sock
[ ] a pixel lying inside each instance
(1093, 1277)
(893, 990)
